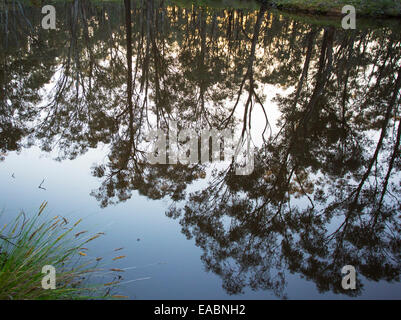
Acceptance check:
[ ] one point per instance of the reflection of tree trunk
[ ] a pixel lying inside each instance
(230, 19)
(344, 98)
(311, 38)
(90, 50)
(390, 107)
(201, 64)
(6, 25)
(127, 4)
(397, 143)
(323, 74)
(391, 165)
(379, 145)
(249, 76)
(248, 106)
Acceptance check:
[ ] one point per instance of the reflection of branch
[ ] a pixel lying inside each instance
(323, 73)
(396, 147)
(303, 190)
(382, 136)
(40, 186)
(249, 76)
(391, 164)
(267, 123)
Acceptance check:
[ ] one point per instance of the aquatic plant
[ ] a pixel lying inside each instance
(28, 244)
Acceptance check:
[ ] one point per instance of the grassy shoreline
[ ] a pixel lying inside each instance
(366, 8)
(27, 244)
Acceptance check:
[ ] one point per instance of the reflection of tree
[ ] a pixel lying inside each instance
(26, 64)
(323, 193)
(318, 198)
(249, 75)
(79, 114)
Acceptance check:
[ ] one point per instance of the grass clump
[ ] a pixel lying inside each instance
(28, 244)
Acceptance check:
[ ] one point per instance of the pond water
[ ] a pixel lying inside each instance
(319, 105)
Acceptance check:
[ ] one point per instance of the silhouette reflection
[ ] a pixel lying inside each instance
(325, 190)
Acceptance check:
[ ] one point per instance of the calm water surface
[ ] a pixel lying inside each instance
(322, 107)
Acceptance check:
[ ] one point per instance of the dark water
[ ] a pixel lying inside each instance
(321, 104)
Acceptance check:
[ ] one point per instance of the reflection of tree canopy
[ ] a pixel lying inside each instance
(324, 192)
